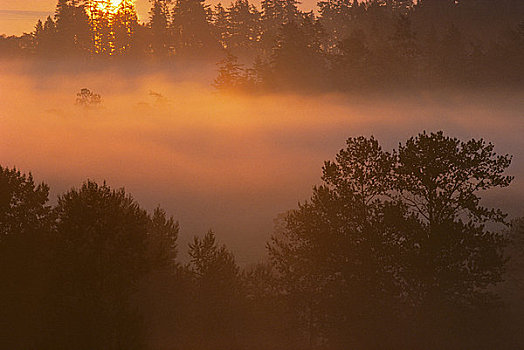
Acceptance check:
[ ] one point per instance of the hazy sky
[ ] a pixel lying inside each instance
(18, 16)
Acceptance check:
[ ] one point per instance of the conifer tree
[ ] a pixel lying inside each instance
(99, 12)
(276, 13)
(159, 24)
(192, 29)
(216, 280)
(221, 25)
(244, 25)
(124, 24)
(73, 30)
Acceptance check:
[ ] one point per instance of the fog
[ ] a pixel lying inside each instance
(226, 162)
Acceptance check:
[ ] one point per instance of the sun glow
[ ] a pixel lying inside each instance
(114, 4)
(111, 6)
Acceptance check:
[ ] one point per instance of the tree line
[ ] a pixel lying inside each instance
(393, 250)
(344, 45)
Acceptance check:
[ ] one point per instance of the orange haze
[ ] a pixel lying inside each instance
(227, 162)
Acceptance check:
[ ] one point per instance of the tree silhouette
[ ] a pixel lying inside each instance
(297, 58)
(354, 59)
(159, 24)
(88, 99)
(100, 16)
(233, 76)
(216, 285)
(221, 25)
(25, 249)
(106, 245)
(192, 29)
(244, 27)
(390, 236)
(438, 179)
(73, 29)
(349, 44)
(124, 26)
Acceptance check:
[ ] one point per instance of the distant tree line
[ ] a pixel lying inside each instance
(347, 44)
(392, 251)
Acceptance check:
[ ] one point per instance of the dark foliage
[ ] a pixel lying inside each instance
(349, 45)
(393, 248)
(394, 240)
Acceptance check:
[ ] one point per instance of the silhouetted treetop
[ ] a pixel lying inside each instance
(392, 236)
(23, 203)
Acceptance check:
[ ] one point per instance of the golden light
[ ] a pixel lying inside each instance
(114, 4)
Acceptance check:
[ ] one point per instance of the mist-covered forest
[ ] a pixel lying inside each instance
(243, 176)
(341, 45)
(392, 250)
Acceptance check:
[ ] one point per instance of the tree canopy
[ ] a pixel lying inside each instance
(393, 236)
(394, 247)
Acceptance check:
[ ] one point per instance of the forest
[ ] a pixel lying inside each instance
(341, 45)
(258, 176)
(393, 249)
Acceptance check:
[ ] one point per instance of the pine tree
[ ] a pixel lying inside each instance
(337, 17)
(37, 35)
(221, 25)
(72, 27)
(44, 38)
(276, 13)
(216, 280)
(124, 24)
(100, 15)
(192, 28)
(231, 75)
(405, 50)
(296, 58)
(244, 26)
(159, 24)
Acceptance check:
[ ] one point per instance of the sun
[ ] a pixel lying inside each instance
(114, 5)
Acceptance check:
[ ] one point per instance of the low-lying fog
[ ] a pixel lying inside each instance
(226, 162)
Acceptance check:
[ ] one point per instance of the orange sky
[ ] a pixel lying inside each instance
(18, 16)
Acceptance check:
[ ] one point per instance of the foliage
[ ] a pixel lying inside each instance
(215, 278)
(392, 248)
(25, 225)
(233, 76)
(393, 236)
(87, 99)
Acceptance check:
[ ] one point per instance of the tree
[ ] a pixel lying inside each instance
(124, 26)
(38, 33)
(162, 240)
(23, 204)
(276, 13)
(88, 99)
(266, 319)
(232, 75)
(192, 29)
(106, 244)
(337, 253)
(215, 278)
(100, 18)
(159, 24)
(337, 17)
(221, 25)
(350, 66)
(244, 26)
(25, 249)
(438, 178)
(296, 58)
(404, 48)
(73, 28)
(391, 237)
